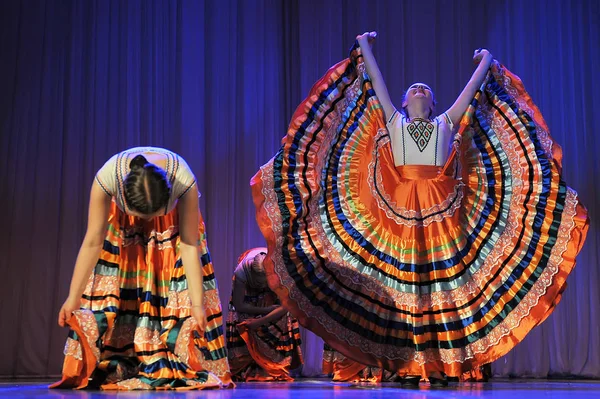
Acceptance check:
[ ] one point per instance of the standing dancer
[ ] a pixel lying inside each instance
(401, 255)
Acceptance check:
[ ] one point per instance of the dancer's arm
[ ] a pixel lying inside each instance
(89, 251)
(484, 59)
(365, 41)
(237, 298)
(274, 315)
(189, 217)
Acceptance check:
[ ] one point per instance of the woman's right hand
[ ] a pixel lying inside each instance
(368, 36)
(199, 315)
(66, 311)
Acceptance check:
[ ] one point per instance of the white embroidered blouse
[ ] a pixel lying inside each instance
(112, 175)
(420, 141)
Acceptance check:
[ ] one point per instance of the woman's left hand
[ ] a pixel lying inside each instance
(479, 54)
(200, 316)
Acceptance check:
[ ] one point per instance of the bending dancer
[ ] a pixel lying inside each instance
(263, 340)
(143, 286)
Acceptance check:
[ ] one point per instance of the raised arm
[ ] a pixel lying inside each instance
(365, 41)
(89, 251)
(189, 217)
(483, 58)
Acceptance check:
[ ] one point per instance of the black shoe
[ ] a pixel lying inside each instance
(438, 382)
(410, 382)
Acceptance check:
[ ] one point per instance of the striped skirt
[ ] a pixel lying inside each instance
(342, 369)
(134, 329)
(418, 269)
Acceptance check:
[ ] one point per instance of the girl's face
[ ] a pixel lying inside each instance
(419, 92)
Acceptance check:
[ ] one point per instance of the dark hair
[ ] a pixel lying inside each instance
(147, 188)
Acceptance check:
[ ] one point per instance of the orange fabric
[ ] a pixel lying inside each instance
(122, 338)
(418, 268)
(276, 370)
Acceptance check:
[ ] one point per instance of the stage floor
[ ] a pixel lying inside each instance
(323, 389)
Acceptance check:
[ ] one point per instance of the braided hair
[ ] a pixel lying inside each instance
(146, 187)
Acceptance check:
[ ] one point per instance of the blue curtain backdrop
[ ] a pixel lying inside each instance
(217, 82)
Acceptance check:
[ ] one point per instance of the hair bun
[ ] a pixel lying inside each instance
(138, 162)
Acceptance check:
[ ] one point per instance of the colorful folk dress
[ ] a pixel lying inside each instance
(134, 329)
(270, 352)
(418, 268)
